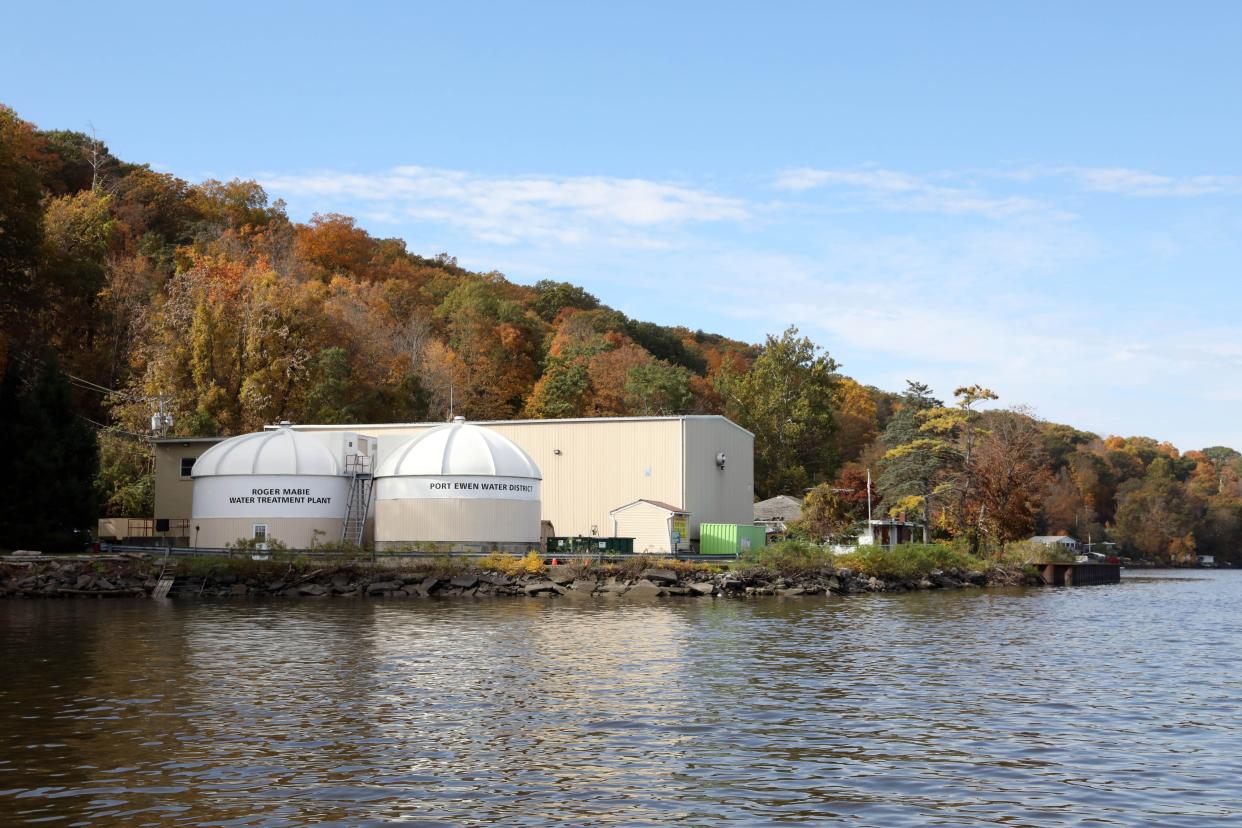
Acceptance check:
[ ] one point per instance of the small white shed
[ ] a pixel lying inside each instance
(656, 527)
(1064, 542)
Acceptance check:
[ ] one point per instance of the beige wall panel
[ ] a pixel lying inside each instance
(602, 464)
(451, 520)
(173, 493)
(295, 533)
(647, 525)
(713, 495)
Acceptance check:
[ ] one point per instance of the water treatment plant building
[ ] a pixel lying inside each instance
(700, 465)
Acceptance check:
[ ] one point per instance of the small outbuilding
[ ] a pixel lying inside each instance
(1064, 542)
(776, 514)
(458, 487)
(656, 527)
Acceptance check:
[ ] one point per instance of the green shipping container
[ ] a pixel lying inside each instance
(729, 538)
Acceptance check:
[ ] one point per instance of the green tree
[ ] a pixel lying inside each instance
(564, 390)
(552, 297)
(785, 400)
(21, 227)
(957, 431)
(912, 466)
(47, 474)
(657, 388)
(824, 514)
(1154, 516)
(327, 398)
(125, 485)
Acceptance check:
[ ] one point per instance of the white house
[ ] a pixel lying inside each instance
(1065, 542)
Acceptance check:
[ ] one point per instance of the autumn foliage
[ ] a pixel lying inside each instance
(209, 303)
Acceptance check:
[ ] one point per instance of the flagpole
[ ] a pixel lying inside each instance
(868, 498)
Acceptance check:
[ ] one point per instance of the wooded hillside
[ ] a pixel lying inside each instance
(140, 292)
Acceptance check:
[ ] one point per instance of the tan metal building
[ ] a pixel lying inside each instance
(702, 464)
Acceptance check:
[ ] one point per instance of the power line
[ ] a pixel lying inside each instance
(117, 429)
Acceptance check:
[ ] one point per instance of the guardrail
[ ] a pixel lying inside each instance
(187, 551)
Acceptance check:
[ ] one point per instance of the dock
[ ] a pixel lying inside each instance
(1080, 574)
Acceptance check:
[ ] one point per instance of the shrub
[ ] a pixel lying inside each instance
(790, 557)
(1021, 553)
(253, 545)
(908, 561)
(512, 565)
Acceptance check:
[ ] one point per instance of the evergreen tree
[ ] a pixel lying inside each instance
(913, 463)
(48, 468)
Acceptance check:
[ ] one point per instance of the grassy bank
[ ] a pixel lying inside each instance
(906, 563)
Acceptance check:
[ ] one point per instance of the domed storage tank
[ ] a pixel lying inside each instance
(271, 485)
(458, 486)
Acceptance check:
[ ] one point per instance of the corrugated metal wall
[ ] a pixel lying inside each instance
(714, 495)
(601, 464)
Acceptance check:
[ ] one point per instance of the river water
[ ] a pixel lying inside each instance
(1115, 705)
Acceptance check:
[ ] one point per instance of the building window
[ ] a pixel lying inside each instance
(187, 465)
(260, 532)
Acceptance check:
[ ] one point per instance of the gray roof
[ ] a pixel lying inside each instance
(781, 507)
(1047, 539)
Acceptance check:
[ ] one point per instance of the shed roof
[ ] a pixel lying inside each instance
(668, 507)
(781, 507)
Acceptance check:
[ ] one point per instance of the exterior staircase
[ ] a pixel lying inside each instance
(361, 483)
(168, 576)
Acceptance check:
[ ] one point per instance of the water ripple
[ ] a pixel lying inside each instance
(1097, 706)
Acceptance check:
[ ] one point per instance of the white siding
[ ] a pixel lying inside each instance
(648, 525)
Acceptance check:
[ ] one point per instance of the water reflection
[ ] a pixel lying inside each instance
(1101, 705)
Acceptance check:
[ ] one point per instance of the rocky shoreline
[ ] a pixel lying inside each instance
(138, 577)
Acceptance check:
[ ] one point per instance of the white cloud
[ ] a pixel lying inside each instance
(902, 192)
(1123, 181)
(509, 209)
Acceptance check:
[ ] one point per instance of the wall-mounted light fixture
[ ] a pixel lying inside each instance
(720, 460)
(556, 451)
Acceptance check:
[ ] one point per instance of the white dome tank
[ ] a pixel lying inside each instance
(457, 486)
(280, 485)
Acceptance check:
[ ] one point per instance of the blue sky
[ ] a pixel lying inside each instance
(1045, 198)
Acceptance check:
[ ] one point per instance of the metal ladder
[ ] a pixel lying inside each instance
(358, 468)
(168, 574)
